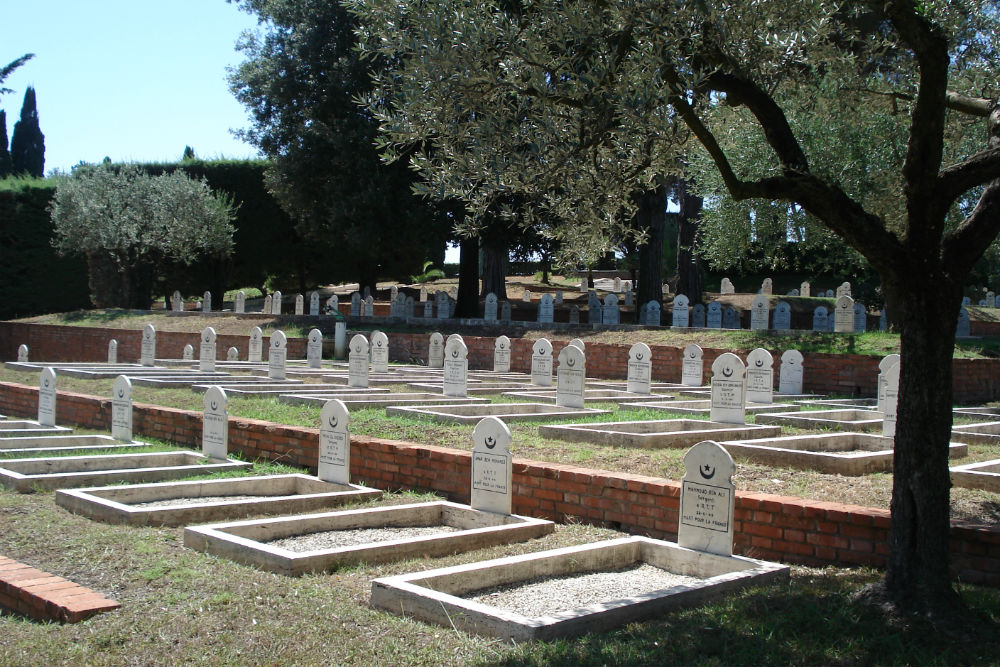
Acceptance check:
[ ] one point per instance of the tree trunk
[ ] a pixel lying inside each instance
(651, 217)
(468, 279)
(689, 278)
(917, 576)
(494, 268)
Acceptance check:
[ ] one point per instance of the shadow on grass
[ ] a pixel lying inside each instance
(101, 316)
(811, 620)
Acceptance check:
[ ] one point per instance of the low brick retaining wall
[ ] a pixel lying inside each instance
(780, 528)
(46, 597)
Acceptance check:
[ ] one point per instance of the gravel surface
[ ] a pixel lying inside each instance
(335, 539)
(542, 596)
(196, 500)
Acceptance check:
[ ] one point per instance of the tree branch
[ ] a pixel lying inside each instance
(964, 246)
(972, 106)
(980, 168)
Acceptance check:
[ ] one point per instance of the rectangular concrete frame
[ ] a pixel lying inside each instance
(245, 541)
(292, 494)
(655, 434)
(984, 475)
(27, 428)
(842, 453)
(704, 407)
(26, 475)
(62, 445)
(847, 419)
(983, 433)
(383, 400)
(433, 595)
(508, 412)
(591, 396)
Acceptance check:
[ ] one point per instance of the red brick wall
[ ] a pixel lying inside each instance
(772, 527)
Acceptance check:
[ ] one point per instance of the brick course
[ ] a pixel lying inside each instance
(46, 597)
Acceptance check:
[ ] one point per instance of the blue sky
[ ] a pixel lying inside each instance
(130, 79)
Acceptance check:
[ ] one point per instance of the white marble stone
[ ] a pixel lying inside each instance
(541, 363)
(692, 368)
(501, 355)
(112, 351)
(207, 350)
(357, 362)
(492, 467)
(435, 351)
(277, 356)
(456, 368)
(571, 377)
(47, 397)
(314, 348)
(843, 315)
(640, 369)
(215, 424)
(147, 353)
(760, 376)
(790, 380)
(707, 500)
(121, 409)
(379, 343)
(256, 346)
(728, 390)
(334, 443)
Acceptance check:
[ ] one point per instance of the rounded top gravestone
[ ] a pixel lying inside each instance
(277, 356)
(334, 443)
(639, 369)
(215, 424)
(760, 376)
(728, 390)
(571, 377)
(790, 381)
(121, 409)
(577, 342)
(707, 500)
(691, 367)
(492, 469)
(206, 353)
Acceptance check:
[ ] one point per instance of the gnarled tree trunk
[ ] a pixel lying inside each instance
(651, 217)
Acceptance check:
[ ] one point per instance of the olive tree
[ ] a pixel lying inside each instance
(131, 225)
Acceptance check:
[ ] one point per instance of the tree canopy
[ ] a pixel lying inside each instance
(27, 144)
(867, 116)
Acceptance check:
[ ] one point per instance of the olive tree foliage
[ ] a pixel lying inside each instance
(878, 119)
(131, 225)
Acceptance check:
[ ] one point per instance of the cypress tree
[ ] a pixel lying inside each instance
(27, 146)
(5, 167)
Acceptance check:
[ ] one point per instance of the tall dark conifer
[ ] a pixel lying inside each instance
(5, 166)
(27, 146)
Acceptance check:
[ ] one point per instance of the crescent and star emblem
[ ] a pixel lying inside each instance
(639, 357)
(571, 362)
(727, 372)
(707, 471)
(759, 363)
(214, 405)
(121, 393)
(454, 354)
(490, 442)
(333, 421)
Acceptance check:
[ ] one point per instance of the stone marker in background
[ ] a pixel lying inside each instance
(47, 397)
(240, 302)
(891, 401)
(357, 362)
(333, 304)
(176, 302)
(728, 389)
(435, 351)
(541, 363)
(215, 424)
(256, 346)
(760, 311)
(653, 314)
(206, 351)
(505, 314)
(501, 355)
(369, 306)
(443, 307)
(232, 354)
(640, 368)
(429, 308)
(782, 316)
(22, 353)
(393, 292)
(860, 317)
(820, 319)
(490, 308)
(277, 356)
(790, 381)
(629, 297)
(559, 297)
(574, 314)
(355, 304)
(727, 287)
(267, 308)
(730, 318)
(570, 377)
(314, 349)
(187, 352)
(314, 304)
(844, 289)
(963, 327)
(967, 301)
(707, 500)
(760, 376)
(300, 305)
(397, 306)
(121, 409)
(609, 312)
(456, 368)
(276, 303)
(526, 296)
(617, 284)
(423, 294)
(409, 307)
(367, 292)
(147, 352)
(112, 351)
(843, 315)
(766, 288)
(887, 362)
(991, 299)
(334, 443)
(805, 289)
(492, 467)
(713, 316)
(546, 309)
(379, 343)
(206, 302)
(680, 312)
(698, 316)
(692, 369)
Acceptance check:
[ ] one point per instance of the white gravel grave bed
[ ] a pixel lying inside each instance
(335, 539)
(197, 500)
(543, 596)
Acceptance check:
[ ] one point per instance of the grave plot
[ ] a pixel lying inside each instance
(982, 412)
(474, 387)
(655, 434)
(570, 591)
(380, 399)
(27, 474)
(266, 390)
(320, 542)
(62, 444)
(509, 412)
(25, 428)
(983, 433)
(594, 587)
(834, 403)
(704, 407)
(183, 503)
(850, 454)
(984, 475)
(183, 380)
(839, 420)
(589, 396)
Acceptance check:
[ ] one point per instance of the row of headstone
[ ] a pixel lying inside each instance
(714, 316)
(760, 363)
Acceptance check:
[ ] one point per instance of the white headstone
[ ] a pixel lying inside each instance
(860, 317)
(393, 292)
(355, 305)
(887, 362)
(267, 305)
(526, 296)
(541, 363)
(176, 302)
(844, 289)
(148, 348)
(423, 294)
(456, 368)
(334, 443)
(991, 299)
(379, 343)
(206, 352)
(692, 368)
(369, 306)
(501, 355)
(891, 401)
(963, 327)
(443, 307)
(805, 289)
(187, 352)
(232, 354)
(610, 313)
(782, 316)
(492, 467)
(843, 315)
(728, 389)
(727, 287)
(617, 284)
(112, 351)
(559, 297)
(490, 309)
(570, 377)
(206, 302)
(713, 316)
(584, 286)
(766, 288)
(546, 309)
(790, 381)
(256, 346)
(215, 424)
(276, 303)
(680, 312)
(760, 311)
(357, 362)
(730, 318)
(314, 348)
(653, 314)
(760, 376)
(47, 397)
(435, 351)
(707, 500)
(121, 409)
(820, 319)
(300, 304)
(333, 304)
(640, 368)
(277, 356)
(240, 302)
(22, 353)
